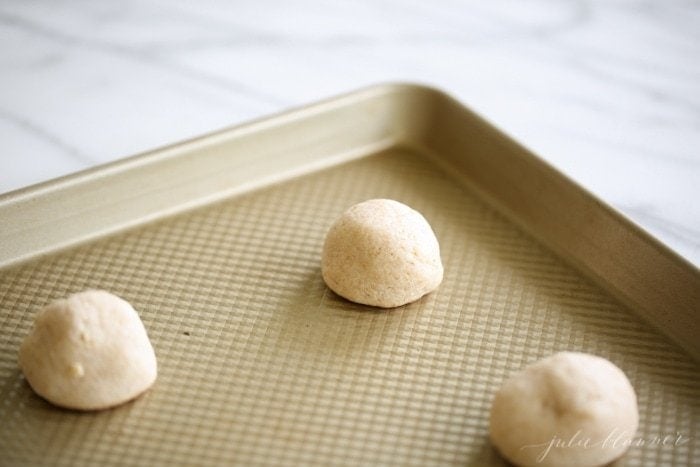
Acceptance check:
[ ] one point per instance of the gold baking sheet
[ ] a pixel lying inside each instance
(260, 364)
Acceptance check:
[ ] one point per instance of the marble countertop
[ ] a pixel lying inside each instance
(607, 91)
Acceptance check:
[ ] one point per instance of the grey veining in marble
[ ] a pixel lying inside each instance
(607, 91)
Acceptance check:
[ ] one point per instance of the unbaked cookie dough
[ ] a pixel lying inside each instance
(89, 351)
(571, 409)
(381, 253)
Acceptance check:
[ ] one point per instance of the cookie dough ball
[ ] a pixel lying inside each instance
(381, 253)
(570, 409)
(88, 351)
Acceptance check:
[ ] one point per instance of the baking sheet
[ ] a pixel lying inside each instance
(259, 363)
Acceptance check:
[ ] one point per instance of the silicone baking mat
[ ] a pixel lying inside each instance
(260, 364)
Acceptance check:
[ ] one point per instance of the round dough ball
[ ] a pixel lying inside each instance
(381, 253)
(88, 351)
(570, 409)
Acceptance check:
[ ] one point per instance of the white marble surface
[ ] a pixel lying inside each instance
(608, 91)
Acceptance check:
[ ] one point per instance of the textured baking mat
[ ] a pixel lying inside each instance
(261, 365)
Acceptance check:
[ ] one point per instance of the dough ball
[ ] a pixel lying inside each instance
(381, 253)
(88, 351)
(570, 409)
